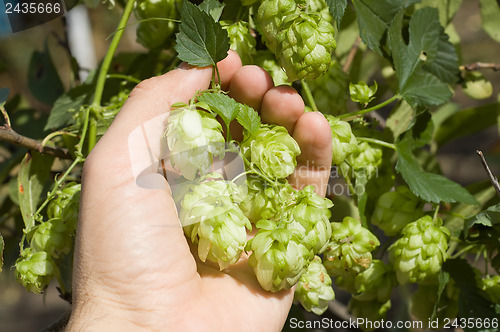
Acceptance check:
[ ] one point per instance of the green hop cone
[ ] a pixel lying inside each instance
(154, 34)
(362, 93)
(66, 206)
(328, 91)
(305, 46)
(278, 257)
(266, 60)
(309, 218)
(270, 17)
(54, 236)
(365, 159)
(344, 142)
(371, 311)
(193, 137)
(396, 209)
(491, 285)
(350, 247)
(314, 289)
(35, 269)
(272, 150)
(317, 7)
(425, 298)
(240, 39)
(212, 219)
(420, 251)
(260, 201)
(375, 283)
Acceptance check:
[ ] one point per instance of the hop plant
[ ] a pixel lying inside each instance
(365, 159)
(420, 251)
(212, 219)
(309, 218)
(267, 60)
(343, 140)
(154, 34)
(53, 236)
(261, 201)
(328, 91)
(240, 39)
(396, 209)
(371, 311)
(318, 7)
(270, 17)
(35, 269)
(193, 137)
(350, 247)
(305, 46)
(375, 283)
(272, 150)
(491, 285)
(66, 206)
(424, 300)
(278, 257)
(314, 289)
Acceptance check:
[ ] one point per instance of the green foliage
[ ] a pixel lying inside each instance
(201, 41)
(337, 8)
(490, 16)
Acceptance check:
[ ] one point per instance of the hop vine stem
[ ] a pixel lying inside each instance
(371, 109)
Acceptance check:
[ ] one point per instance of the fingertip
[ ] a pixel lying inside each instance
(282, 105)
(313, 134)
(249, 84)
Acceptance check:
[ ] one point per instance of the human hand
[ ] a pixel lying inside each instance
(133, 266)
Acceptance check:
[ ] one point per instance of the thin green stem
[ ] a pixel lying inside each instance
(92, 134)
(54, 134)
(103, 72)
(368, 110)
(463, 251)
(124, 77)
(378, 142)
(436, 213)
(309, 96)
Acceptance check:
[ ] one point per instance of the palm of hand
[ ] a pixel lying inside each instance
(132, 262)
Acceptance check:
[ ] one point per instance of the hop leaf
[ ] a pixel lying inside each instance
(272, 150)
(421, 250)
(396, 209)
(278, 257)
(212, 219)
(314, 289)
(193, 138)
(343, 140)
(35, 269)
(305, 46)
(350, 247)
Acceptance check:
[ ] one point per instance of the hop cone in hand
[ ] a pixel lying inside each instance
(270, 17)
(240, 39)
(213, 220)
(272, 150)
(314, 289)
(396, 209)
(421, 250)
(305, 46)
(309, 218)
(278, 257)
(350, 247)
(35, 269)
(343, 140)
(193, 138)
(260, 201)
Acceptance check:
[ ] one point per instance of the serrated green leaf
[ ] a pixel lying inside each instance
(490, 17)
(200, 41)
(249, 118)
(400, 119)
(213, 8)
(66, 105)
(486, 219)
(428, 186)
(31, 181)
(374, 19)
(443, 279)
(4, 94)
(427, 63)
(337, 9)
(226, 107)
(43, 80)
